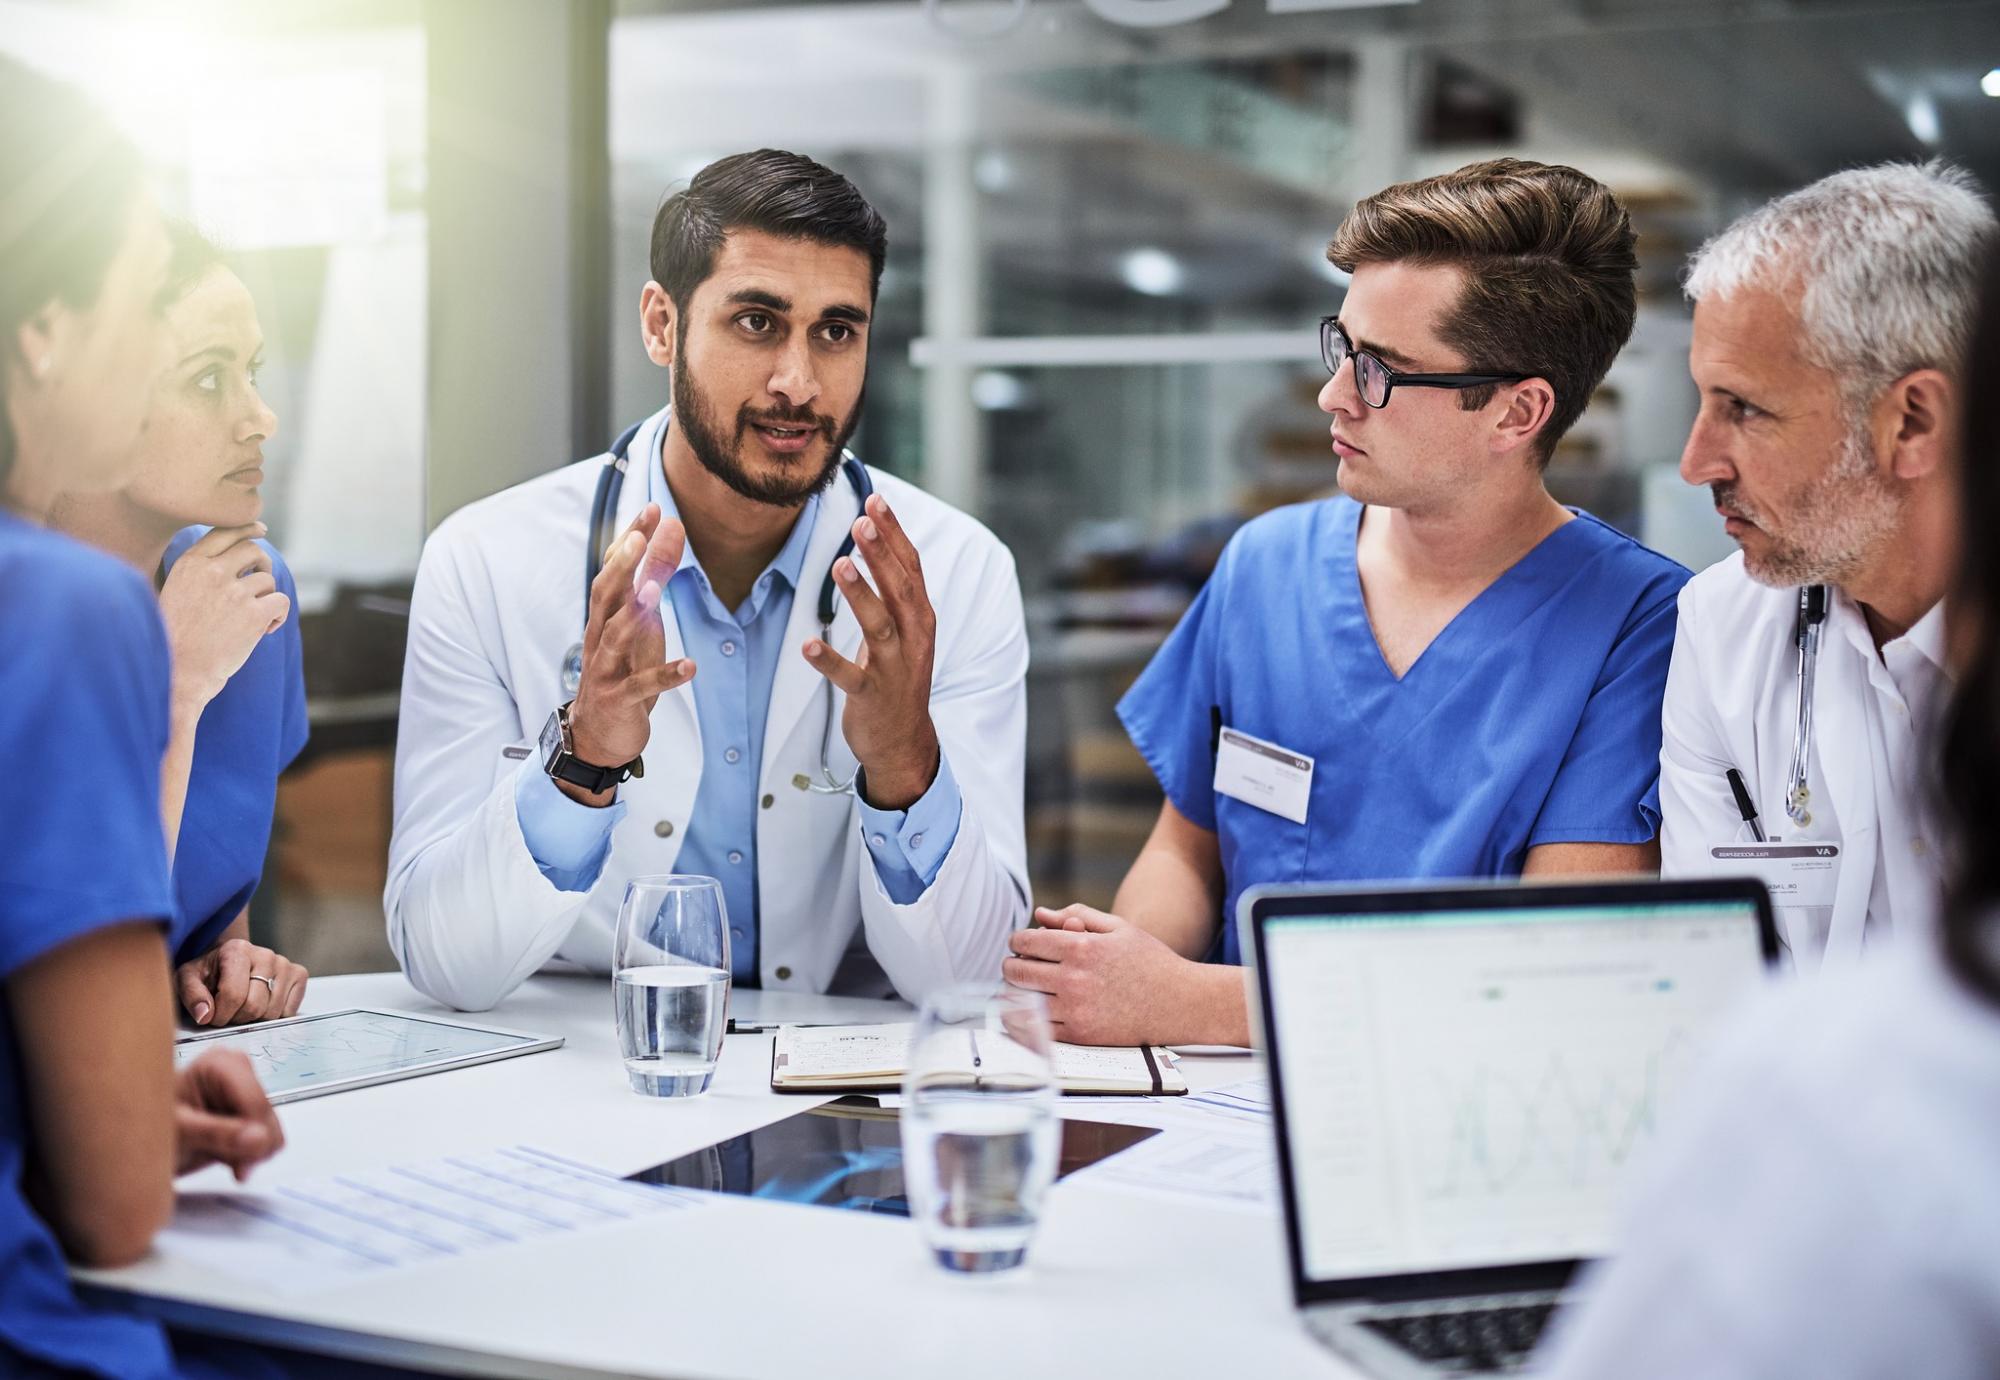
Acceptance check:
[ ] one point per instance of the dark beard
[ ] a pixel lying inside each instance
(697, 424)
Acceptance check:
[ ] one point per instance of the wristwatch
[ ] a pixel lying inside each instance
(560, 761)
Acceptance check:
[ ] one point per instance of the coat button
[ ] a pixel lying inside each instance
(783, 974)
(665, 829)
(769, 801)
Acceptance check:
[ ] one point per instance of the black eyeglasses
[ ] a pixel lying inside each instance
(1375, 381)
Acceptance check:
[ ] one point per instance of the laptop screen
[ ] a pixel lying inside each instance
(1464, 1088)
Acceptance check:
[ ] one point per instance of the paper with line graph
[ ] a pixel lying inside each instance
(318, 1234)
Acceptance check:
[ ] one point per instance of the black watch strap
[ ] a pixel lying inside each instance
(560, 761)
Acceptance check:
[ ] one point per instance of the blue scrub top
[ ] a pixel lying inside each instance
(84, 681)
(1533, 718)
(248, 734)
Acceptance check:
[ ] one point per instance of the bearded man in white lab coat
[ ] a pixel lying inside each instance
(855, 786)
(1830, 328)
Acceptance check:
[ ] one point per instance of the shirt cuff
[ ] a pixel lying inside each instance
(909, 846)
(567, 839)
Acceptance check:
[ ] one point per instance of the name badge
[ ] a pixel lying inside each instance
(1798, 874)
(1263, 774)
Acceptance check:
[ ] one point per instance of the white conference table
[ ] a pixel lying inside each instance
(1118, 1283)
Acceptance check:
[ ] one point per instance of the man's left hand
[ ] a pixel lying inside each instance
(1108, 981)
(887, 721)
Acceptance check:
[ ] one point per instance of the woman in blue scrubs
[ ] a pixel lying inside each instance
(1442, 673)
(94, 1121)
(238, 707)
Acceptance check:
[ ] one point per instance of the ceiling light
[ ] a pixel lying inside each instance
(1990, 83)
(1152, 271)
(1920, 112)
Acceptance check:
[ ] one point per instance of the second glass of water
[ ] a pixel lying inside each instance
(670, 976)
(980, 1132)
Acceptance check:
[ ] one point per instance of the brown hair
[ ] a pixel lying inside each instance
(1548, 263)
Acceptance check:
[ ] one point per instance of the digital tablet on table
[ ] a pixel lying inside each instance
(310, 1056)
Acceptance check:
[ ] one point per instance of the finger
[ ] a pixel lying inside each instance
(869, 610)
(1049, 946)
(295, 991)
(898, 580)
(659, 680)
(663, 553)
(196, 999)
(894, 538)
(232, 979)
(258, 585)
(1095, 920)
(202, 1138)
(1031, 975)
(256, 996)
(249, 558)
(228, 1084)
(277, 608)
(835, 667)
(224, 1081)
(217, 540)
(612, 589)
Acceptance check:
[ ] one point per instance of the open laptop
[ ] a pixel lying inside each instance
(1459, 1077)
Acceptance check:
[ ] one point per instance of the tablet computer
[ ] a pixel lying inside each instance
(310, 1056)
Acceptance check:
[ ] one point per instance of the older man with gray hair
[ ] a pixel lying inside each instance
(1829, 330)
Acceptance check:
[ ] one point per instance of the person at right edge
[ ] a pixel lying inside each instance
(1441, 673)
(1826, 1203)
(1829, 330)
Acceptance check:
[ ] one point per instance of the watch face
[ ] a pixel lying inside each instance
(551, 741)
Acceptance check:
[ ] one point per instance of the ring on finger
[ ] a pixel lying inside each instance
(270, 984)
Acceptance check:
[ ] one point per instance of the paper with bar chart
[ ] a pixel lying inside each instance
(1472, 1093)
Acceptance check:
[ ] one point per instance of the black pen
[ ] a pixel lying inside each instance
(1744, 805)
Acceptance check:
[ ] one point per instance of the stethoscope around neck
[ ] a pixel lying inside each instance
(1806, 632)
(604, 511)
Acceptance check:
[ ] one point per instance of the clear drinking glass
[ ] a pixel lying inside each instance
(979, 1124)
(670, 979)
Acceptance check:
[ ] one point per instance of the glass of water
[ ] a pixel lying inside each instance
(979, 1124)
(670, 977)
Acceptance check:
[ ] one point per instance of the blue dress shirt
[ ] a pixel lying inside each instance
(736, 655)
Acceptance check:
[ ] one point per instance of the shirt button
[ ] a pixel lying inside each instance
(769, 801)
(916, 840)
(665, 829)
(732, 756)
(1917, 847)
(735, 856)
(736, 933)
(875, 840)
(729, 649)
(783, 974)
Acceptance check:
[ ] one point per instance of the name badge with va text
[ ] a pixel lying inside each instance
(1263, 774)
(1798, 874)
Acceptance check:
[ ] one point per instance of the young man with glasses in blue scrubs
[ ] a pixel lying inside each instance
(1442, 672)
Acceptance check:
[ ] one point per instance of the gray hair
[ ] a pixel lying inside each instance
(1888, 260)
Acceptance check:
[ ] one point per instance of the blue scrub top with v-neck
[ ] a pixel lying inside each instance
(1532, 718)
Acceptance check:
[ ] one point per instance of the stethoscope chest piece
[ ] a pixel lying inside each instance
(572, 669)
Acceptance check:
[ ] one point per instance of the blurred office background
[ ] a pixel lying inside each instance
(1096, 330)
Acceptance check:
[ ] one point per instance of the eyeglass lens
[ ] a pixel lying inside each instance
(1371, 377)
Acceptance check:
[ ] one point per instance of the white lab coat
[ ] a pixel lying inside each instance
(1732, 700)
(499, 600)
(1822, 1203)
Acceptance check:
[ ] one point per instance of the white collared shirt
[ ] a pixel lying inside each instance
(1909, 684)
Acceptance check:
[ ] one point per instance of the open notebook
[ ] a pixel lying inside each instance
(873, 1058)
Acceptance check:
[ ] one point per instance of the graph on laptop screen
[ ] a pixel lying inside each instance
(1466, 1088)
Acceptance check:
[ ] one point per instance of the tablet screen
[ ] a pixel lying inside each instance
(313, 1052)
